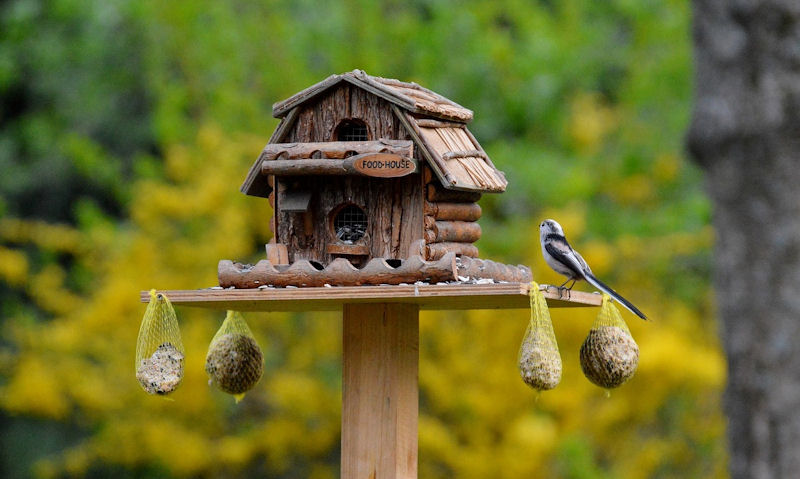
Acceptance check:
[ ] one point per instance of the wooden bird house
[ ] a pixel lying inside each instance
(373, 182)
(363, 168)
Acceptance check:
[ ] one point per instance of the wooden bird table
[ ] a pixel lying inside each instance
(380, 354)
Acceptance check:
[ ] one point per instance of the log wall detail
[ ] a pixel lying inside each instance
(450, 220)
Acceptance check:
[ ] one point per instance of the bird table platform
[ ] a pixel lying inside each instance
(380, 354)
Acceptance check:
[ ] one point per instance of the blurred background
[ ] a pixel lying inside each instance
(126, 129)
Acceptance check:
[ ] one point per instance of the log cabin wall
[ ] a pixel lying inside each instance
(450, 219)
(393, 206)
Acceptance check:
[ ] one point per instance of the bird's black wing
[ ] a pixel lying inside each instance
(560, 250)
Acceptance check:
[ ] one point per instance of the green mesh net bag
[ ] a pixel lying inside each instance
(234, 362)
(539, 359)
(159, 350)
(609, 355)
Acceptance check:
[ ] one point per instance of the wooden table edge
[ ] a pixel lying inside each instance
(429, 297)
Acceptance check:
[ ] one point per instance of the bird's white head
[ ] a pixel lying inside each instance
(549, 227)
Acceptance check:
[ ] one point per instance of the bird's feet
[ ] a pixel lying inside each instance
(568, 289)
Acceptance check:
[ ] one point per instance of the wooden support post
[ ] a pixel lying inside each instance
(380, 396)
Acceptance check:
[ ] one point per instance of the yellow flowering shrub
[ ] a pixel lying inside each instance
(78, 364)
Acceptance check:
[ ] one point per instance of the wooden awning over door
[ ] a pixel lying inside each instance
(454, 155)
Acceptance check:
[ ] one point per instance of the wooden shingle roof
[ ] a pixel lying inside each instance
(408, 96)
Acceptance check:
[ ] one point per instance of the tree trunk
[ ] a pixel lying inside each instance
(745, 133)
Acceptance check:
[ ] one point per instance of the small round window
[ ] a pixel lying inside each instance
(350, 224)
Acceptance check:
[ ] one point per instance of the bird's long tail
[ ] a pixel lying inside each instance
(606, 289)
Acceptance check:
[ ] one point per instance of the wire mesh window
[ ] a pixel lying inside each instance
(350, 224)
(352, 130)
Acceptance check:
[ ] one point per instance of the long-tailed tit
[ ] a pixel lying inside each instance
(564, 260)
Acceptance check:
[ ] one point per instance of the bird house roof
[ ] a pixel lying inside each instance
(437, 126)
(408, 96)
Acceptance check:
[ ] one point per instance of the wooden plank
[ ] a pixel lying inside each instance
(335, 149)
(381, 91)
(296, 201)
(434, 251)
(431, 123)
(254, 183)
(452, 155)
(427, 297)
(380, 165)
(280, 108)
(427, 101)
(488, 160)
(384, 165)
(434, 161)
(351, 249)
(340, 272)
(433, 193)
(453, 211)
(380, 398)
(413, 98)
(318, 122)
(283, 128)
(277, 253)
(459, 175)
(452, 147)
(453, 231)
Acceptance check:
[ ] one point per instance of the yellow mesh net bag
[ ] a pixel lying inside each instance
(609, 355)
(539, 359)
(159, 350)
(234, 362)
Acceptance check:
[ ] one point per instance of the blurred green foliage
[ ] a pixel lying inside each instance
(127, 127)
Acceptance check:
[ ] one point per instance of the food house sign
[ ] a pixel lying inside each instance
(384, 165)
